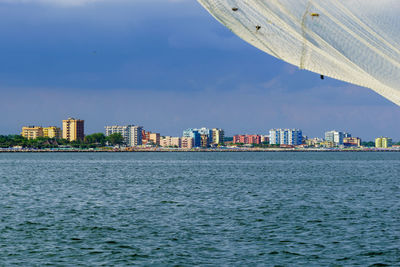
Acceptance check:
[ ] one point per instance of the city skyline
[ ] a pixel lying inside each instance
(293, 134)
(166, 65)
(266, 132)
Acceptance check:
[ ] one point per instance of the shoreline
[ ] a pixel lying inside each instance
(158, 150)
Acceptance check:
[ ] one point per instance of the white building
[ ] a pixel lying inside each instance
(336, 137)
(132, 134)
(292, 137)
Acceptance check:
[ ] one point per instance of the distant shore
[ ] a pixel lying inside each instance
(166, 150)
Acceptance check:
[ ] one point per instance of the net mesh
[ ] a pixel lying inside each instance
(357, 41)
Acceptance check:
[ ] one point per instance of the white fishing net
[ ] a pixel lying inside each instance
(357, 41)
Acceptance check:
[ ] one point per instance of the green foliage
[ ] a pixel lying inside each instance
(96, 138)
(17, 140)
(368, 144)
(115, 139)
(90, 141)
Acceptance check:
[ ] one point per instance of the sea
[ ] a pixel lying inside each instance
(200, 209)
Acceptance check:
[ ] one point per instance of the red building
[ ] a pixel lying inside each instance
(247, 139)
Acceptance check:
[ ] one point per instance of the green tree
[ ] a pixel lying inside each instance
(368, 144)
(115, 139)
(95, 139)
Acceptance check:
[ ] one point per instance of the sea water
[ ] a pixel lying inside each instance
(239, 209)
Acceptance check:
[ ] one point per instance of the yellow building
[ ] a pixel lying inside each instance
(217, 136)
(352, 142)
(155, 138)
(328, 144)
(52, 132)
(32, 132)
(383, 142)
(73, 129)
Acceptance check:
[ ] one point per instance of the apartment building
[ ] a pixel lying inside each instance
(52, 132)
(132, 134)
(73, 129)
(292, 137)
(32, 132)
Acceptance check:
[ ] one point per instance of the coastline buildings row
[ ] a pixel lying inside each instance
(133, 136)
(137, 136)
(73, 129)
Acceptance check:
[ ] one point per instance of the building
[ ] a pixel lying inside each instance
(132, 134)
(206, 131)
(247, 139)
(336, 137)
(383, 142)
(291, 137)
(205, 140)
(239, 139)
(328, 144)
(193, 133)
(187, 142)
(352, 142)
(52, 132)
(154, 138)
(265, 139)
(73, 129)
(315, 142)
(145, 137)
(218, 136)
(254, 139)
(32, 132)
(168, 141)
(150, 138)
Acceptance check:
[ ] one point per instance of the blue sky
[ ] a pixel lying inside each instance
(165, 65)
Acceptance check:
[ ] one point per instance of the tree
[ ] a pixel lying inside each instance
(95, 139)
(115, 139)
(368, 144)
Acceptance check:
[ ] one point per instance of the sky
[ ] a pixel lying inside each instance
(166, 65)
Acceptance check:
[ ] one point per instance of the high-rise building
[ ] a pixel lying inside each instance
(132, 134)
(32, 132)
(204, 140)
(154, 138)
(197, 133)
(208, 132)
(291, 137)
(218, 136)
(336, 137)
(73, 129)
(383, 142)
(52, 132)
(193, 133)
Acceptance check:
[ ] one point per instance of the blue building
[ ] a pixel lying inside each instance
(285, 137)
(206, 131)
(194, 133)
(336, 137)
